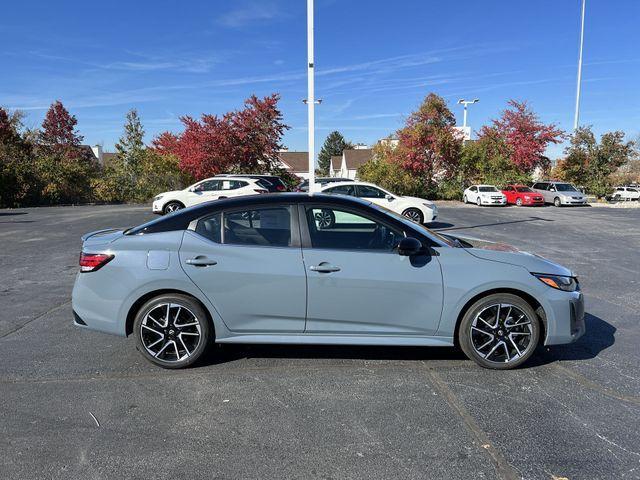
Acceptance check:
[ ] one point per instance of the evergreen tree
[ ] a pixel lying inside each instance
(130, 147)
(333, 145)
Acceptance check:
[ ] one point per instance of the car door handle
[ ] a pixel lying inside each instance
(201, 261)
(324, 268)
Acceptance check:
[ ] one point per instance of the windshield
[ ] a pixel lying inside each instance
(565, 187)
(488, 189)
(444, 239)
(524, 189)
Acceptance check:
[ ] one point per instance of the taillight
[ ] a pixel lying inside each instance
(260, 190)
(90, 262)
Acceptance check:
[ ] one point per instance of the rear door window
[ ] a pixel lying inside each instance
(265, 227)
(342, 190)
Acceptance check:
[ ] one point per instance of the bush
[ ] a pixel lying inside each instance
(391, 175)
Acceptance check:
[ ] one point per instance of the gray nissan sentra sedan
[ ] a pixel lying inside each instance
(318, 269)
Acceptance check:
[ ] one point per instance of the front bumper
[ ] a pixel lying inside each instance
(573, 201)
(565, 317)
(157, 207)
(493, 201)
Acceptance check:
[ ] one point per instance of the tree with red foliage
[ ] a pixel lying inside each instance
(241, 141)
(520, 136)
(64, 169)
(428, 145)
(58, 133)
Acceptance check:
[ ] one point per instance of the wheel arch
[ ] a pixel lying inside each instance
(173, 200)
(135, 307)
(537, 307)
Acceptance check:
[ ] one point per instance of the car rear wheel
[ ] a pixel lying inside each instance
(500, 331)
(172, 207)
(519, 202)
(172, 331)
(414, 215)
(557, 202)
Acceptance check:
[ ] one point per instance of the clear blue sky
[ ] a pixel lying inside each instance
(375, 61)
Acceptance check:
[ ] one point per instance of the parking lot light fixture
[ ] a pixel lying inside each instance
(464, 102)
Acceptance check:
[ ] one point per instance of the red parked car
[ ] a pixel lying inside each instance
(522, 195)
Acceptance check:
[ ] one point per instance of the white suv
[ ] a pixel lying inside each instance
(204, 191)
(419, 210)
(626, 193)
(484, 195)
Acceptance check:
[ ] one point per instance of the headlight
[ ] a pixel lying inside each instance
(568, 284)
(157, 198)
(432, 206)
(527, 197)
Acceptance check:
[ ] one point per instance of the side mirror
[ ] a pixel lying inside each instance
(409, 246)
(389, 197)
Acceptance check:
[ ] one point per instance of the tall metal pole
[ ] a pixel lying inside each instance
(310, 96)
(464, 117)
(576, 119)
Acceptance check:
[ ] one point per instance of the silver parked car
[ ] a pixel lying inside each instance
(270, 269)
(560, 193)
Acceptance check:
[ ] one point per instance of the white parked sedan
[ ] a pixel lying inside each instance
(484, 195)
(205, 191)
(419, 210)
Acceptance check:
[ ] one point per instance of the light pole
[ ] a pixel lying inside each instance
(576, 118)
(311, 101)
(464, 102)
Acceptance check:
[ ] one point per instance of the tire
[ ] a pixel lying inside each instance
(172, 207)
(464, 199)
(478, 201)
(325, 219)
(172, 344)
(519, 202)
(557, 202)
(498, 348)
(414, 215)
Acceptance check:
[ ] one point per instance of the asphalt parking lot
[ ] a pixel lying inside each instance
(76, 404)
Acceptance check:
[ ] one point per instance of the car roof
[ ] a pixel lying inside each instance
(224, 177)
(180, 219)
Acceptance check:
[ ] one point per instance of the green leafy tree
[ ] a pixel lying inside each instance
(591, 164)
(428, 146)
(333, 145)
(384, 170)
(18, 183)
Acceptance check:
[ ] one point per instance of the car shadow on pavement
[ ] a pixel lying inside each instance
(599, 336)
(6, 214)
(233, 352)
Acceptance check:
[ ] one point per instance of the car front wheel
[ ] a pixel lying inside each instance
(464, 199)
(172, 331)
(478, 201)
(519, 202)
(414, 215)
(557, 202)
(500, 331)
